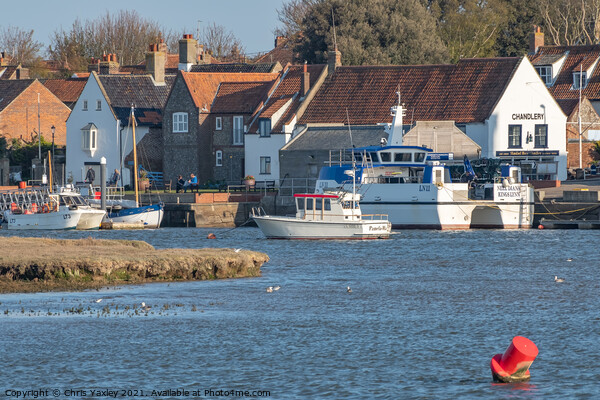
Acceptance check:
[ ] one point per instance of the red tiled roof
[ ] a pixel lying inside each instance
(283, 53)
(577, 56)
(203, 86)
(289, 87)
(67, 90)
(240, 97)
(466, 92)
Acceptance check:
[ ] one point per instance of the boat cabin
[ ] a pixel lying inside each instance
(324, 207)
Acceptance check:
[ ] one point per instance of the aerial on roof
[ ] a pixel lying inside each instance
(465, 92)
(203, 86)
(139, 91)
(578, 58)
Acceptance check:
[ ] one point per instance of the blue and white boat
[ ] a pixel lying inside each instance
(417, 192)
(150, 216)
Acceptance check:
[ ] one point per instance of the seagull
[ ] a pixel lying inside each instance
(276, 287)
(270, 289)
(145, 307)
(558, 280)
(237, 250)
(98, 301)
(349, 290)
(569, 259)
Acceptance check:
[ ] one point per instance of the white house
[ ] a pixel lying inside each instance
(98, 124)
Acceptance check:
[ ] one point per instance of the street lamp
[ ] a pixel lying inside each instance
(53, 129)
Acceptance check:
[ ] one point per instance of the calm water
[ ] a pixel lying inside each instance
(427, 312)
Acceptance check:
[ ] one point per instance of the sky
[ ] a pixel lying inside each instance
(251, 21)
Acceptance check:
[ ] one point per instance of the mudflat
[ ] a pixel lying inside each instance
(44, 264)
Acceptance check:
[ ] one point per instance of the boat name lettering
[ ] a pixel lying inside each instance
(67, 216)
(510, 191)
(378, 228)
(424, 188)
(534, 116)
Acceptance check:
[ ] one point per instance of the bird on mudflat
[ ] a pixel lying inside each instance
(237, 250)
(145, 307)
(98, 301)
(349, 290)
(569, 259)
(558, 280)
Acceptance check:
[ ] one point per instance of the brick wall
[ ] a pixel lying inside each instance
(20, 118)
(590, 121)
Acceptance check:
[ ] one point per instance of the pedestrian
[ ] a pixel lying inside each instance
(90, 176)
(114, 180)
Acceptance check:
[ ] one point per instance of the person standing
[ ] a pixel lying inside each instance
(114, 180)
(90, 176)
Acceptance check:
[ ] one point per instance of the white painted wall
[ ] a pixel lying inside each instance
(107, 138)
(256, 147)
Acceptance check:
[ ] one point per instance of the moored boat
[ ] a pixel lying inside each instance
(324, 216)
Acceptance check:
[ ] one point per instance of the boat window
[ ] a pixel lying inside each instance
(327, 204)
(300, 202)
(419, 157)
(385, 156)
(319, 204)
(374, 157)
(358, 156)
(309, 203)
(398, 157)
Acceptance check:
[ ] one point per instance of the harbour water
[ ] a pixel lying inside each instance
(427, 312)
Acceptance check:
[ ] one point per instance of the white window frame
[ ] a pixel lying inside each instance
(85, 105)
(265, 127)
(238, 130)
(98, 105)
(89, 139)
(265, 165)
(576, 80)
(219, 158)
(180, 122)
(545, 72)
(218, 123)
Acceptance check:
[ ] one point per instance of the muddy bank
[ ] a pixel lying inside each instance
(34, 264)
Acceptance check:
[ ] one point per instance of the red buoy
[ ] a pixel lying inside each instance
(540, 226)
(513, 365)
(211, 236)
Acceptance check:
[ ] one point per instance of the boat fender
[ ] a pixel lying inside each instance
(439, 185)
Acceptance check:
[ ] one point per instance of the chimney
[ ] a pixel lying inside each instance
(334, 60)
(279, 41)
(94, 65)
(204, 56)
(155, 64)
(3, 61)
(22, 73)
(108, 65)
(305, 80)
(536, 40)
(187, 52)
(162, 46)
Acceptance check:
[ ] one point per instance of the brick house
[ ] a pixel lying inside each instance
(571, 72)
(189, 127)
(19, 111)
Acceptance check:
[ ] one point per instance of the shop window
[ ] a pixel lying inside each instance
(541, 136)
(514, 136)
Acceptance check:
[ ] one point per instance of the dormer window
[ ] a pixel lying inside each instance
(265, 127)
(89, 138)
(545, 72)
(579, 77)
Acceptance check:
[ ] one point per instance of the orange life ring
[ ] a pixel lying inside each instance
(45, 208)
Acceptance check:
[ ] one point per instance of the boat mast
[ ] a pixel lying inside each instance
(135, 163)
(353, 166)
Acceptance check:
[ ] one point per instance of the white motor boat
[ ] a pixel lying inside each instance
(90, 217)
(60, 219)
(324, 216)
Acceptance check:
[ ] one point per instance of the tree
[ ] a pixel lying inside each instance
(469, 28)
(513, 40)
(20, 45)
(571, 22)
(371, 32)
(124, 33)
(221, 42)
(291, 15)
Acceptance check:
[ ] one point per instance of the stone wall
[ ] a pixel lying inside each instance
(590, 121)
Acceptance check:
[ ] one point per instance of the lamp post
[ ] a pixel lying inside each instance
(53, 129)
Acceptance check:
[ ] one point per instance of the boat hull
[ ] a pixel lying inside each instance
(90, 218)
(57, 220)
(274, 227)
(151, 216)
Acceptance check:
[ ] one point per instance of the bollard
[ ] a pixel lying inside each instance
(513, 365)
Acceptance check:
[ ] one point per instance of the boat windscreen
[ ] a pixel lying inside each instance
(419, 157)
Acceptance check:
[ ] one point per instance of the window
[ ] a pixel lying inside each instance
(545, 72)
(219, 158)
(265, 165)
(399, 157)
(576, 78)
(265, 127)
(238, 132)
(385, 156)
(218, 123)
(98, 105)
(89, 137)
(419, 157)
(514, 136)
(180, 122)
(541, 136)
(85, 105)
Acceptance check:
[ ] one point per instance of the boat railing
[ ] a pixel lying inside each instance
(257, 212)
(375, 216)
